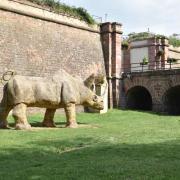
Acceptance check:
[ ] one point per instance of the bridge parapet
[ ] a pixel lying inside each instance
(169, 64)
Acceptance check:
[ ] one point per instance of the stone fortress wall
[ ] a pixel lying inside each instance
(37, 42)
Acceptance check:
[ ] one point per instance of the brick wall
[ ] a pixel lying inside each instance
(36, 47)
(111, 42)
(126, 58)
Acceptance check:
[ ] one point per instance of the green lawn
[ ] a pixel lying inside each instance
(118, 145)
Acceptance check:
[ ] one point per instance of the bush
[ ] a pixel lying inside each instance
(174, 41)
(143, 35)
(125, 44)
(58, 7)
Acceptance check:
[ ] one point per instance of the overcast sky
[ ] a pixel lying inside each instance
(160, 16)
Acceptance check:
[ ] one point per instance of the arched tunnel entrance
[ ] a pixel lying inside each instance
(172, 101)
(139, 98)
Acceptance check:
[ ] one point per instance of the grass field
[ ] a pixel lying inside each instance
(118, 145)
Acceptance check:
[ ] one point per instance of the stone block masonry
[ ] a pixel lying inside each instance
(158, 84)
(37, 42)
(111, 42)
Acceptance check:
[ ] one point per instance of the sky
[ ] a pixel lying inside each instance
(159, 16)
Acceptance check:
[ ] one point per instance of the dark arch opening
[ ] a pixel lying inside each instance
(172, 101)
(139, 98)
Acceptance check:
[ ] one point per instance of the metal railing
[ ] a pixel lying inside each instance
(169, 64)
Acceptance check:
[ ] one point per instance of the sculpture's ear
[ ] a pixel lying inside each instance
(89, 82)
(100, 79)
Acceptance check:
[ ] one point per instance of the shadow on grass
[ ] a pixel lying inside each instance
(39, 124)
(85, 158)
(149, 112)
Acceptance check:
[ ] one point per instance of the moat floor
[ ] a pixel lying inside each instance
(116, 145)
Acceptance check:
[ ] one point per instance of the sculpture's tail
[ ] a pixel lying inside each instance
(3, 102)
(7, 76)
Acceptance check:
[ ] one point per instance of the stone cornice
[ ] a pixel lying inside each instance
(35, 12)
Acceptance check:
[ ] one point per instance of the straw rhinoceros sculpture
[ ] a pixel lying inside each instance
(60, 91)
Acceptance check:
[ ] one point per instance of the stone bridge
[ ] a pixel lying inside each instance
(154, 90)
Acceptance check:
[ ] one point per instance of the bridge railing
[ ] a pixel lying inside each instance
(169, 64)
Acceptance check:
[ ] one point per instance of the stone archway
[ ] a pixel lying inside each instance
(171, 100)
(139, 98)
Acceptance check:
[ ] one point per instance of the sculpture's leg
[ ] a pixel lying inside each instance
(49, 118)
(71, 116)
(4, 111)
(19, 114)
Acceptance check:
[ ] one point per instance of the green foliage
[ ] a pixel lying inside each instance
(125, 44)
(85, 15)
(117, 145)
(140, 36)
(58, 7)
(143, 35)
(144, 61)
(174, 41)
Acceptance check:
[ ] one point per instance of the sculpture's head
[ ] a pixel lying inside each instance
(93, 101)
